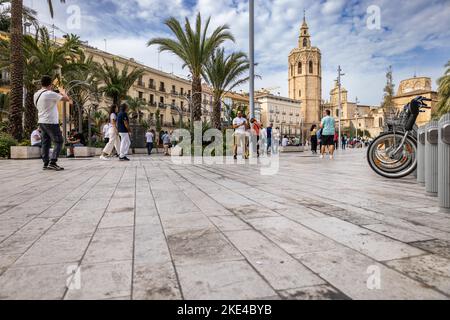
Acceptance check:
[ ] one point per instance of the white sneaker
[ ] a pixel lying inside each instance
(331, 157)
(321, 156)
(102, 157)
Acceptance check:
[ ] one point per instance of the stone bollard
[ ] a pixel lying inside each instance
(444, 162)
(431, 158)
(421, 155)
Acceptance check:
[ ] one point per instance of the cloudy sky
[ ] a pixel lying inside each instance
(412, 36)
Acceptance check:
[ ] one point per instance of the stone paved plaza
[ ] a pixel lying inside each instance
(150, 229)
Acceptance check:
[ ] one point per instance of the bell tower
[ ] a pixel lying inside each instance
(305, 76)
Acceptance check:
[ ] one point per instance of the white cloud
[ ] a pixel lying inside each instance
(413, 37)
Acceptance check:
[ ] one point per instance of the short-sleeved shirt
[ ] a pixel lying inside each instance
(121, 118)
(46, 104)
(166, 139)
(149, 137)
(328, 126)
(241, 123)
(34, 135)
(106, 130)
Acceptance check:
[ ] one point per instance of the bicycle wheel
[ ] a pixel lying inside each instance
(383, 161)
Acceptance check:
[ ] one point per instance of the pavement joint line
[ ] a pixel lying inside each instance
(165, 235)
(96, 228)
(380, 262)
(45, 232)
(38, 215)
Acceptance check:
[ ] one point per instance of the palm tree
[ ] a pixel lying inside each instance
(136, 106)
(223, 73)
(17, 66)
(116, 82)
(194, 48)
(82, 92)
(443, 105)
(44, 58)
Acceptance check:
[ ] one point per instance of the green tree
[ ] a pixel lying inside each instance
(136, 106)
(388, 104)
(158, 120)
(194, 48)
(116, 82)
(42, 57)
(443, 105)
(224, 73)
(17, 66)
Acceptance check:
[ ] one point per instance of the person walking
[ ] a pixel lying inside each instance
(269, 137)
(344, 142)
(313, 138)
(150, 136)
(327, 136)
(113, 135)
(276, 134)
(256, 131)
(166, 143)
(46, 100)
(239, 126)
(123, 126)
(336, 139)
(105, 131)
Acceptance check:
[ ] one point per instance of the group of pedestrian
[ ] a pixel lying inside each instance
(245, 130)
(324, 137)
(119, 134)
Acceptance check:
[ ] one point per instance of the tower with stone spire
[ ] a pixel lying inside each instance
(305, 76)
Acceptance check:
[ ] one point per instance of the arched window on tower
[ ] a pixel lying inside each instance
(299, 68)
(380, 122)
(305, 42)
(310, 67)
(300, 93)
(292, 70)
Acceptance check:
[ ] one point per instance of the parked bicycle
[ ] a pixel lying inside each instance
(393, 153)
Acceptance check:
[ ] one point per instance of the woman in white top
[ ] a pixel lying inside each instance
(113, 133)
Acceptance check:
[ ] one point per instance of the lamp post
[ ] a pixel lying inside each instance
(340, 105)
(252, 57)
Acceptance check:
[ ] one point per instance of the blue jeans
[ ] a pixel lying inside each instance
(51, 133)
(149, 147)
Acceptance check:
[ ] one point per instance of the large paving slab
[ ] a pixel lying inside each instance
(154, 229)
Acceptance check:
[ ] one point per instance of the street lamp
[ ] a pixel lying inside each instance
(340, 105)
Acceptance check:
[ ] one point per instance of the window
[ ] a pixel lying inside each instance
(173, 89)
(173, 102)
(299, 68)
(292, 70)
(140, 95)
(182, 104)
(151, 84)
(162, 86)
(181, 91)
(161, 100)
(152, 99)
(337, 112)
(305, 42)
(310, 67)
(380, 122)
(299, 93)
(140, 82)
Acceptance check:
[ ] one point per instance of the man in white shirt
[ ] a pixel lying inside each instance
(106, 132)
(240, 125)
(149, 136)
(46, 101)
(36, 138)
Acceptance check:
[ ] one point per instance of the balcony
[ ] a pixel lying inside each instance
(291, 114)
(284, 113)
(277, 112)
(141, 84)
(152, 86)
(152, 104)
(161, 105)
(162, 89)
(174, 93)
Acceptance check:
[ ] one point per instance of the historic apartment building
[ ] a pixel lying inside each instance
(284, 113)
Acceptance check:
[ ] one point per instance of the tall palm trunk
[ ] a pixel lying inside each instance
(196, 98)
(30, 112)
(217, 123)
(16, 98)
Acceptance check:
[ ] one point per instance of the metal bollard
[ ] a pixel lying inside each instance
(431, 158)
(421, 155)
(444, 162)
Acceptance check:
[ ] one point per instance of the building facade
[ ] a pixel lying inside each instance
(284, 113)
(305, 76)
(411, 88)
